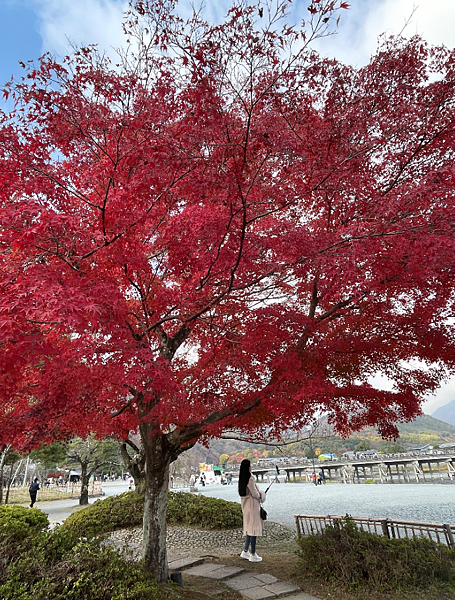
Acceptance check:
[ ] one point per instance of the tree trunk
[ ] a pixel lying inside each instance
(85, 476)
(9, 484)
(157, 461)
(24, 481)
(2, 463)
(139, 486)
(135, 466)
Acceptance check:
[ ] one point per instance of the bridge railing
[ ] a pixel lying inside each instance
(315, 524)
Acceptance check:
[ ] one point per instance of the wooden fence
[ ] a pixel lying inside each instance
(314, 524)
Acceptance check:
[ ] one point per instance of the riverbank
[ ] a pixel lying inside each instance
(278, 548)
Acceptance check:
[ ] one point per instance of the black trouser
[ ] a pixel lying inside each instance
(250, 540)
(32, 499)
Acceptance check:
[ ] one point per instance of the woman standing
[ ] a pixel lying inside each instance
(251, 498)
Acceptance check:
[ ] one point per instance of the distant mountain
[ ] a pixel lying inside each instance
(425, 429)
(423, 425)
(429, 424)
(446, 413)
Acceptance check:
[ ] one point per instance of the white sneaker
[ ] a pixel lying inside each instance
(254, 558)
(245, 554)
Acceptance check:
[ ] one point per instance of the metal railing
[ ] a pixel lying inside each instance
(438, 532)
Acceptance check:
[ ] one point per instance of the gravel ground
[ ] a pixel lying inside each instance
(186, 541)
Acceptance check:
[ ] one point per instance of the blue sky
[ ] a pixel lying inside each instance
(28, 28)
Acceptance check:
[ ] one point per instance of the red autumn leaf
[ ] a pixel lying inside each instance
(226, 243)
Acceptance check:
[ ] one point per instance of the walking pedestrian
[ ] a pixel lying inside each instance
(33, 490)
(251, 498)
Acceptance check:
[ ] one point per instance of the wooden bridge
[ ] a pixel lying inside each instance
(434, 468)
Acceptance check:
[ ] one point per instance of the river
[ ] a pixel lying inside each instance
(431, 503)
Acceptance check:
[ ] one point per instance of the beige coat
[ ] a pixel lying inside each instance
(252, 522)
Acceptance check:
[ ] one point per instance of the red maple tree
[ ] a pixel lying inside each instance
(224, 231)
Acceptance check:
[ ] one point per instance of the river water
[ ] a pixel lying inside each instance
(430, 503)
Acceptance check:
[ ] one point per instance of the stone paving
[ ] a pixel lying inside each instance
(254, 586)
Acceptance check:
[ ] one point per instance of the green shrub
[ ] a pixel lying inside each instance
(202, 511)
(17, 522)
(356, 558)
(115, 512)
(126, 510)
(55, 565)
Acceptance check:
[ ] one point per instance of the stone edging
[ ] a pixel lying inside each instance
(187, 541)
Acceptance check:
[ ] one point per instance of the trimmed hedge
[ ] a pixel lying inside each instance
(115, 512)
(18, 523)
(202, 511)
(346, 554)
(126, 510)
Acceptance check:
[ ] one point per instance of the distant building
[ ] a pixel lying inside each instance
(367, 454)
(349, 455)
(419, 448)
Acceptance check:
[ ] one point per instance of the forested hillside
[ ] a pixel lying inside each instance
(423, 430)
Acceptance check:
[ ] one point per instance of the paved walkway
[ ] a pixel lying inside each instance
(188, 548)
(254, 586)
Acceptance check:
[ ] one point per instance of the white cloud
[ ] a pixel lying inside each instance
(366, 20)
(99, 21)
(83, 22)
(444, 395)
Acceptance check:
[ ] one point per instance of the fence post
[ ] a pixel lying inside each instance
(297, 525)
(449, 536)
(385, 529)
(391, 529)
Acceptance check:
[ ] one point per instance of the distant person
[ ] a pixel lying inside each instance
(33, 490)
(251, 498)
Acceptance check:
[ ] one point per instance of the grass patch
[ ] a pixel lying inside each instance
(20, 495)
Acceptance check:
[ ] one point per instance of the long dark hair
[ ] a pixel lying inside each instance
(244, 476)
